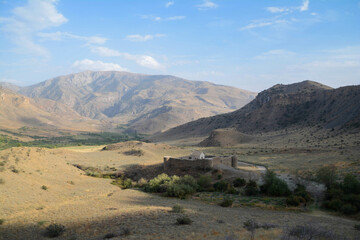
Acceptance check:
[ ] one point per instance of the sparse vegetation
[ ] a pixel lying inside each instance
(178, 209)
(54, 230)
(308, 231)
(239, 182)
(183, 220)
(2, 221)
(134, 152)
(226, 203)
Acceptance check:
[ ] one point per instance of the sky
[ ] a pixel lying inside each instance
(249, 44)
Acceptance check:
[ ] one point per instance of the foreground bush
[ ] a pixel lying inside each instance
(204, 183)
(221, 186)
(274, 186)
(251, 188)
(54, 230)
(226, 203)
(344, 197)
(178, 209)
(239, 182)
(173, 186)
(183, 221)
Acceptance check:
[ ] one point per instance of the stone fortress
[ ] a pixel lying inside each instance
(198, 160)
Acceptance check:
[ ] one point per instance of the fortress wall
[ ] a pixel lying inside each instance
(176, 163)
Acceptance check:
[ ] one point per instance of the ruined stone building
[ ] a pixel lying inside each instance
(198, 160)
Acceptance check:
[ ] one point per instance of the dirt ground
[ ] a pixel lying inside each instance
(91, 208)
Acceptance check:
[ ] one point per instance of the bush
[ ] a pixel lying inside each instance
(350, 185)
(327, 175)
(300, 191)
(179, 190)
(43, 187)
(226, 203)
(295, 201)
(333, 204)
(123, 183)
(54, 230)
(141, 183)
(204, 183)
(2, 221)
(251, 188)
(159, 183)
(221, 186)
(178, 209)
(183, 221)
(348, 209)
(274, 186)
(239, 182)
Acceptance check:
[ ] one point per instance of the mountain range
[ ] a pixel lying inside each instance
(304, 104)
(145, 103)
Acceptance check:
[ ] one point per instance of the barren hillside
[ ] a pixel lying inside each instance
(146, 103)
(304, 104)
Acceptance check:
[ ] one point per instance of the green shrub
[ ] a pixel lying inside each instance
(183, 220)
(295, 201)
(350, 185)
(142, 183)
(43, 187)
(333, 204)
(300, 191)
(178, 209)
(204, 183)
(188, 180)
(221, 186)
(232, 190)
(327, 175)
(180, 190)
(54, 230)
(239, 182)
(123, 183)
(348, 209)
(159, 183)
(251, 188)
(226, 202)
(274, 186)
(2, 221)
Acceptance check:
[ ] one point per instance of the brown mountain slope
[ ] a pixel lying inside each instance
(147, 103)
(302, 104)
(17, 111)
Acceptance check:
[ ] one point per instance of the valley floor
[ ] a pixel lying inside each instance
(91, 208)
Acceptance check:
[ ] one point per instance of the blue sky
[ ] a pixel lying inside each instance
(250, 44)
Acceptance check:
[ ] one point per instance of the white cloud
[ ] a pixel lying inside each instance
(302, 8)
(88, 64)
(143, 38)
(305, 6)
(25, 21)
(142, 60)
(263, 23)
(58, 36)
(206, 5)
(168, 4)
(105, 52)
(277, 9)
(274, 53)
(158, 19)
